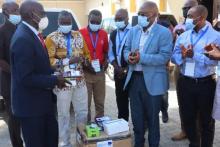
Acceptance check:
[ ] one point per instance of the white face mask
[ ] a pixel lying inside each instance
(43, 23)
(65, 28)
(94, 27)
(189, 24)
(143, 21)
(120, 24)
(14, 19)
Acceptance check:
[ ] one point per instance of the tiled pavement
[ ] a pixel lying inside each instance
(167, 130)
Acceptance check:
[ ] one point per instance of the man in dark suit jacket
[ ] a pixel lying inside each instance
(12, 18)
(116, 58)
(32, 79)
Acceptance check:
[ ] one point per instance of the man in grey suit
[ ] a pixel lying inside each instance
(147, 50)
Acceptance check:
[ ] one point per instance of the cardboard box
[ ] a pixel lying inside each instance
(118, 140)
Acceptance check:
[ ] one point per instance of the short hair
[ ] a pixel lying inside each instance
(27, 7)
(201, 10)
(123, 10)
(6, 4)
(95, 13)
(64, 13)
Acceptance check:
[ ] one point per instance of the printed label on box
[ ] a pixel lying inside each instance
(107, 143)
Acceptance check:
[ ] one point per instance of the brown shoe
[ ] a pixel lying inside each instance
(180, 136)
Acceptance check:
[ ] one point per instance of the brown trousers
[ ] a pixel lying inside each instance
(96, 88)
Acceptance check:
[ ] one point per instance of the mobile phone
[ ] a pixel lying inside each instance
(206, 54)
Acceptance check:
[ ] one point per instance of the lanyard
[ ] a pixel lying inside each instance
(94, 42)
(191, 38)
(69, 49)
(121, 40)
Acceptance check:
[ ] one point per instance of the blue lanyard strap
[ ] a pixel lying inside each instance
(121, 40)
(203, 33)
(69, 48)
(94, 42)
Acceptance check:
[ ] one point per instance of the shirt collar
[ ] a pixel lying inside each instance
(149, 29)
(128, 27)
(30, 27)
(201, 30)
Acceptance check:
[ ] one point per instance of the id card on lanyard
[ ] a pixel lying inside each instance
(190, 65)
(119, 47)
(95, 61)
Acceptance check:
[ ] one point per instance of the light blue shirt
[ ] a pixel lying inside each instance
(122, 39)
(203, 65)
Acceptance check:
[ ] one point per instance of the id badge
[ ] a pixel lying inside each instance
(96, 65)
(73, 82)
(190, 68)
(218, 69)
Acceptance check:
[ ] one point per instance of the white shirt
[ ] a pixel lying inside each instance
(144, 37)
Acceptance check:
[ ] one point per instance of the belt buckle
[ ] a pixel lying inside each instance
(196, 79)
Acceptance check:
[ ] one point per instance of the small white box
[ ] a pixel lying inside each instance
(115, 126)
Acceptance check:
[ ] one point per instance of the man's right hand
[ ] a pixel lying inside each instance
(132, 58)
(88, 66)
(61, 82)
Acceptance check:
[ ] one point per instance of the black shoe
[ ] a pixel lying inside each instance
(165, 117)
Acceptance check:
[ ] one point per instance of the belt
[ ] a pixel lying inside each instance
(199, 80)
(138, 72)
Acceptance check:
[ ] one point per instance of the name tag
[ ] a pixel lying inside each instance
(96, 65)
(190, 68)
(218, 69)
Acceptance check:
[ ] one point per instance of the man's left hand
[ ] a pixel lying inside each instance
(189, 53)
(105, 65)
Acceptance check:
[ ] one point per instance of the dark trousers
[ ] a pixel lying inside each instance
(144, 107)
(196, 98)
(164, 103)
(122, 98)
(13, 127)
(40, 131)
(12, 122)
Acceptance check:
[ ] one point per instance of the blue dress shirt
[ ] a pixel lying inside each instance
(203, 65)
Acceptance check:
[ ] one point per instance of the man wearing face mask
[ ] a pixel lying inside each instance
(69, 47)
(147, 50)
(33, 79)
(116, 58)
(196, 81)
(97, 42)
(178, 30)
(12, 18)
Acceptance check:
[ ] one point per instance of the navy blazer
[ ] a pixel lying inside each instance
(32, 80)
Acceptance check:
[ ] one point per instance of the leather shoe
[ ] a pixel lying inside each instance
(179, 137)
(165, 117)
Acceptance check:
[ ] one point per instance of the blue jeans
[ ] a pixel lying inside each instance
(144, 107)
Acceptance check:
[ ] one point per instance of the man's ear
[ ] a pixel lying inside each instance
(6, 13)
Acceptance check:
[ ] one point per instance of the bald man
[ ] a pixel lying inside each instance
(116, 58)
(178, 30)
(147, 50)
(33, 79)
(10, 11)
(196, 83)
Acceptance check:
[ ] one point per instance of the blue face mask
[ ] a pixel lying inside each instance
(189, 24)
(143, 21)
(94, 27)
(14, 19)
(120, 24)
(65, 28)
